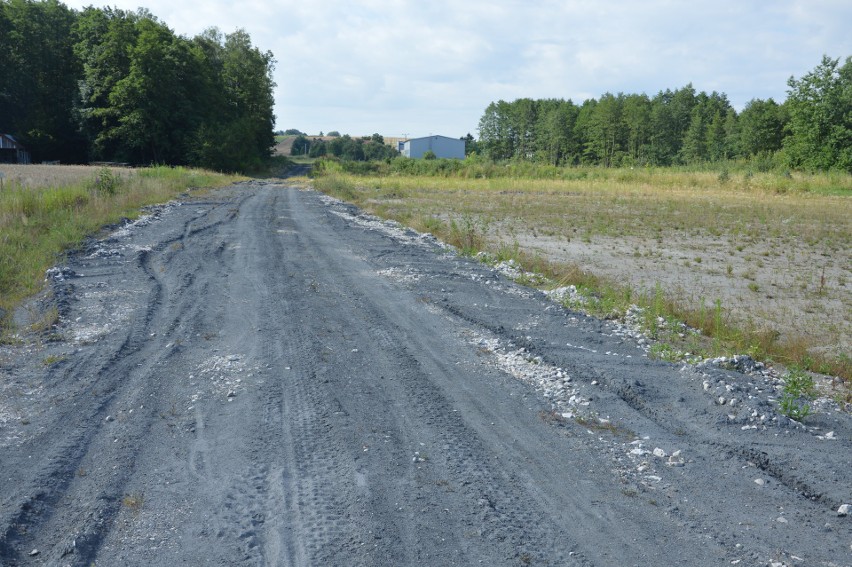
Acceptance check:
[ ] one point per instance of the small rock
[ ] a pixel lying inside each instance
(109, 418)
(659, 452)
(844, 510)
(781, 520)
(759, 481)
(34, 552)
(232, 394)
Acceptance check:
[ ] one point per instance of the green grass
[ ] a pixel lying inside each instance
(39, 223)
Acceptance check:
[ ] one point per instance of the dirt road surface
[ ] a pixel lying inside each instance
(269, 377)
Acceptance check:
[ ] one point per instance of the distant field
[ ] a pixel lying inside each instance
(774, 251)
(284, 144)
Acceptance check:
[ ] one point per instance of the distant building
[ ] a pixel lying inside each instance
(11, 151)
(441, 146)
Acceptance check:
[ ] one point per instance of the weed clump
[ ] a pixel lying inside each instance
(798, 387)
(106, 182)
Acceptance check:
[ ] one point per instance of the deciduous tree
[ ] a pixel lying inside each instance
(820, 107)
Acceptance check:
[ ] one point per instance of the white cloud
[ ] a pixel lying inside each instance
(394, 66)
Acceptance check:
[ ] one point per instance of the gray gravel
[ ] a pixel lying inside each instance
(271, 377)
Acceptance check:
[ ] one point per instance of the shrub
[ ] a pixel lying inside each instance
(106, 181)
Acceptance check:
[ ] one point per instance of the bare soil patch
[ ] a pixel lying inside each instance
(783, 285)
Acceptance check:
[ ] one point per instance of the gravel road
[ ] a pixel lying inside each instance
(269, 377)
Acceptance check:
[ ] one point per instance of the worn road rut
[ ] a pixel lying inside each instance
(269, 377)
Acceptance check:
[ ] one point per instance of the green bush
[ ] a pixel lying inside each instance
(106, 181)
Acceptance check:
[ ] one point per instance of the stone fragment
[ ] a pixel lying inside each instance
(675, 461)
(659, 452)
(759, 481)
(844, 510)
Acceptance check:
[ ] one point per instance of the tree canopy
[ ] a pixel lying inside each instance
(366, 148)
(112, 85)
(812, 129)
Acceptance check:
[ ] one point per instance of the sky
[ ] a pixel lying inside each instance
(420, 67)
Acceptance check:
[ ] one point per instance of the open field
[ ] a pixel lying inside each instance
(46, 209)
(774, 251)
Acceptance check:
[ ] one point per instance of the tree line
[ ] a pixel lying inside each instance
(365, 148)
(104, 84)
(812, 129)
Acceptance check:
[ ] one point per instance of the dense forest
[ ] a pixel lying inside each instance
(811, 130)
(103, 84)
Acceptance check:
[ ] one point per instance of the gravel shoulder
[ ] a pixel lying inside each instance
(269, 376)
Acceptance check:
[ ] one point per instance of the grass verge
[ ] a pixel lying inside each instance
(38, 222)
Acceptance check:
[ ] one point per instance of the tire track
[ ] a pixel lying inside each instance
(305, 391)
(126, 380)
